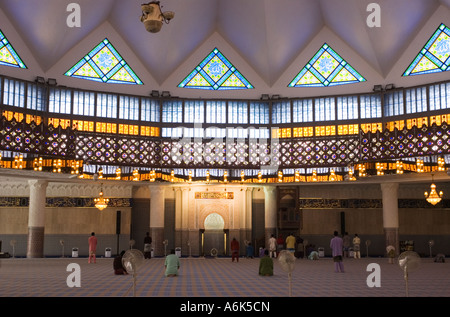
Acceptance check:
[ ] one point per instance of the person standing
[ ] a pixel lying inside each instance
(172, 264)
(92, 241)
(290, 243)
(234, 250)
(347, 241)
(266, 265)
(273, 246)
(337, 245)
(250, 251)
(280, 243)
(147, 246)
(356, 246)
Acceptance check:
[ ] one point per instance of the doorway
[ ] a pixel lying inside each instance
(215, 238)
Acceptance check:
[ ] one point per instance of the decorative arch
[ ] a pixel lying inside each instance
(223, 210)
(214, 221)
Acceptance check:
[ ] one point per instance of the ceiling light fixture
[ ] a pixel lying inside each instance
(433, 197)
(101, 202)
(153, 17)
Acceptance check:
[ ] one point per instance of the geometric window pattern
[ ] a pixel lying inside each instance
(8, 55)
(104, 64)
(325, 69)
(293, 153)
(40, 139)
(162, 153)
(215, 72)
(434, 56)
(414, 142)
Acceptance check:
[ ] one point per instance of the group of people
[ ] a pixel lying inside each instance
(293, 244)
(171, 263)
(340, 248)
(265, 263)
(348, 242)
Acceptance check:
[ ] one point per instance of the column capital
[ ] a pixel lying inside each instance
(389, 187)
(38, 183)
(270, 189)
(157, 190)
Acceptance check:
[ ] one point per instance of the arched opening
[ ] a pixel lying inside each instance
(214, 236)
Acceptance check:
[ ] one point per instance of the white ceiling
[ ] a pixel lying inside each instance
(268, 41)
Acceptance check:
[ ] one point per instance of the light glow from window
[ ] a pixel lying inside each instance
(325, 69)
(104, 64)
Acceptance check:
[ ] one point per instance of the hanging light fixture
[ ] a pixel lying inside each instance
(433, 197)
(101, 202)
(153, 17)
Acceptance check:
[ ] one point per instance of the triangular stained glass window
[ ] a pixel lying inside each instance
(8, 55)
(104, 64)
(325, 69)
(215, 72)
(434, 56)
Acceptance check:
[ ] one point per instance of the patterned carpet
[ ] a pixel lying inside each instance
(219, 279)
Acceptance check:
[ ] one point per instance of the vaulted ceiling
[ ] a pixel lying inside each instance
(268, 41)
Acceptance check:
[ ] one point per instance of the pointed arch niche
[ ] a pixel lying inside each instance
(215, 218)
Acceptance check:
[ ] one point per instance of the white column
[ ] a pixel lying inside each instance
(390, 214)
(270, 207)
(157, 219)
(185, 208)
(182, 219)
(270, 212)
(36, 218)
(249, 204)
(178, 209)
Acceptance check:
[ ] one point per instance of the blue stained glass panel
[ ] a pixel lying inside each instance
(104, 64)
(434, 57)
(8, 55)
(326, 68)
(215, 72)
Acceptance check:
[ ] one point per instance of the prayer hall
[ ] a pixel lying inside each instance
(203, 121)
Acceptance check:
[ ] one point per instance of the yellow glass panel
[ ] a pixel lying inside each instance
(63, 123)
(135, 130)
(100, 127)
(285, 133)
(83, 125)
(276, 133)
(325, 130)
(436, 120)
(35, 119)
(128, 129)
(6, 114)
(331, 130)
(422, 121)
(145, 131)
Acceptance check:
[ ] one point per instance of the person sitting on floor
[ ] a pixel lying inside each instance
(172, 264)
(118, 266)
(266, 264)
(314, 255)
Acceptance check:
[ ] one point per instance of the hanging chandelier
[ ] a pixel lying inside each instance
(101, 202)
(433, 197)
(153, 17)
